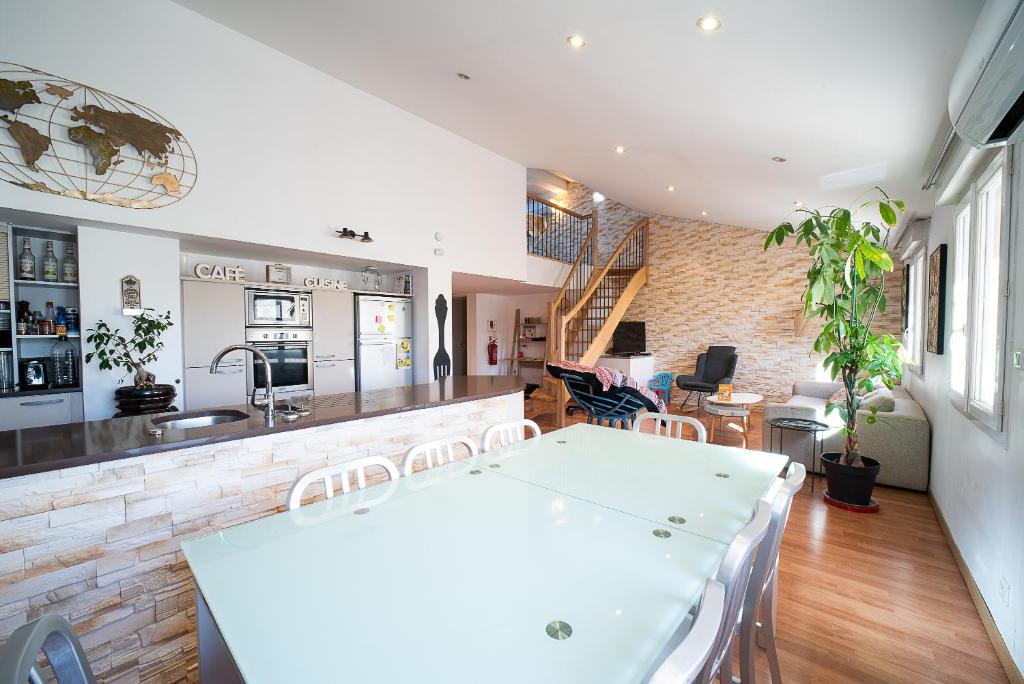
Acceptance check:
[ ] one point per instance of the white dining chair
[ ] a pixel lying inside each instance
(686, 662)
(437, 452)
(734, 574)
(671, 425)
(758, 615)
(508, 433)
(342, 470)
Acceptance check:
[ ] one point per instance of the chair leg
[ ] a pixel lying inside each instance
(766, 634)
(747, 666)
(725, 667)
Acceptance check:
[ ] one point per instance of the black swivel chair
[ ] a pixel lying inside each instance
(715, 367)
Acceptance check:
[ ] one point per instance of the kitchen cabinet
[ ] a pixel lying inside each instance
(334, 376)
(40, 410)
(334, 327)
(203, 389)
(333, 342)
(213, 317)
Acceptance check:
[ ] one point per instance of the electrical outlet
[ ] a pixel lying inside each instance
(1004, 591)
(1018, 359)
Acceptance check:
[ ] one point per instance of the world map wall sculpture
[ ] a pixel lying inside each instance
(65, 138)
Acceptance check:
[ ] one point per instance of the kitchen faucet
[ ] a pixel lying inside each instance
(268, 403)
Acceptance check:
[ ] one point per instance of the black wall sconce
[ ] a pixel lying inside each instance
(352, 235)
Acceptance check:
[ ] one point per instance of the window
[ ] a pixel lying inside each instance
(977, 329)
(917, 289)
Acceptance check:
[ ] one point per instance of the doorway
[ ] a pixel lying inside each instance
(459, 332)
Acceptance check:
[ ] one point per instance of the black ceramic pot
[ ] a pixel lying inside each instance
(137, 401)
(850, 484)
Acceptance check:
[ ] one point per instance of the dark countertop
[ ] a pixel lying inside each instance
(41, 449)
(37, 392)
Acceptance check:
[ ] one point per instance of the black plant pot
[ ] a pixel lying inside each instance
(137, 401)
(850, 485)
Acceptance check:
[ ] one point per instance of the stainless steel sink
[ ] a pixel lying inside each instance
(198, 419)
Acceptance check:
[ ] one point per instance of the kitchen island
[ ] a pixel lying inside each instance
(92, 515)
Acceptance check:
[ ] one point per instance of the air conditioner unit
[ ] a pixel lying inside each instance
(986, 96)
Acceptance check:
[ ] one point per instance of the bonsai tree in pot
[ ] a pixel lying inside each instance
(114, 350)
(845, 291)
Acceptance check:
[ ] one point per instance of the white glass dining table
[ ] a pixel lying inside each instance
(473, 573)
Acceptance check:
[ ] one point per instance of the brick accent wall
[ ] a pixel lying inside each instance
(714, 284)
(101, 544)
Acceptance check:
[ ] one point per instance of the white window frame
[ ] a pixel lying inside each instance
(968, 402)
(917, 306)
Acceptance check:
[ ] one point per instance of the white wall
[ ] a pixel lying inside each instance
(104, 257)
(977, 480)
(285, 153)
(482, 308)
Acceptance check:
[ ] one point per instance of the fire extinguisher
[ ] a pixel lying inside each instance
(492, 352)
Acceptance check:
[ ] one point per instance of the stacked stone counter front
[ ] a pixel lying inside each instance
(101, 543)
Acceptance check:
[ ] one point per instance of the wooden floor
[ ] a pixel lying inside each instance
(867, 598)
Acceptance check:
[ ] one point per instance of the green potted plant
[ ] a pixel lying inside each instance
(114, 350)
(845, 291)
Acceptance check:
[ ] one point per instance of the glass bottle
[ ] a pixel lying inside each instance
(49, 320)
(26, 262)
(69, 267)
(22, 323)
(50, 269)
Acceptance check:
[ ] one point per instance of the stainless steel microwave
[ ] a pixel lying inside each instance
(277, 308)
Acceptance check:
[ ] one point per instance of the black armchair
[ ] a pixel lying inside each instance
(715, 367)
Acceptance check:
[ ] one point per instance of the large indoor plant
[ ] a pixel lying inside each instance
(114, 350)
(845, 291)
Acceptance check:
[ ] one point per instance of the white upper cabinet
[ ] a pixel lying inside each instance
(213, 317)
(333, 325)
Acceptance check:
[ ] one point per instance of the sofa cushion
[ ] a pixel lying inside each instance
(881, 399)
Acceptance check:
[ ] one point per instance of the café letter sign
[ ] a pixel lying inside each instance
(209, 272)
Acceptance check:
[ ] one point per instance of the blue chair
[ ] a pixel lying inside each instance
(661, 382)
(617, 406)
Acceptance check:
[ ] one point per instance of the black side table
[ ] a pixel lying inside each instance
(799, 425)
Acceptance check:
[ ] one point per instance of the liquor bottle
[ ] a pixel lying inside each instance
(69, 268)
(26, 262)
(50, 269)
(22, 323)
(49, 322)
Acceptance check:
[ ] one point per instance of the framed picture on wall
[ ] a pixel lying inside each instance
(936, 300)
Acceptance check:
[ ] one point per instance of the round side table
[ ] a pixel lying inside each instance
(737, 407)
(799, 425)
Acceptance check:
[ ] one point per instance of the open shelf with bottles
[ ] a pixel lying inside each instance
(38, 295)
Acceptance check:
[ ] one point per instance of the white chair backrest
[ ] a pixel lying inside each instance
(344, 470)
(671, 425)
(690, 657)
(768, 553)
(508, 433)
(734, 574)
(437, 452)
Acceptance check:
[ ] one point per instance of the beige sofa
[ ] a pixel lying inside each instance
(899, 439)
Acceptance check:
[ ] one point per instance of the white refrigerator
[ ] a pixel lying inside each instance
(384, 342)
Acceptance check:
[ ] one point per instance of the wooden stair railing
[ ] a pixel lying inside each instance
(583, 316)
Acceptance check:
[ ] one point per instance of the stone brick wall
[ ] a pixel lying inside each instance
(101, 544)
(714, 284)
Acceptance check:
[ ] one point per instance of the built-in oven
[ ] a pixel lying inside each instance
(291, 364)
(277, 308)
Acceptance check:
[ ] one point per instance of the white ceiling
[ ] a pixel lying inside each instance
(851, 93)
(469, 283)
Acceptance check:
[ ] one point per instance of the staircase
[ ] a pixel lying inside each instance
(592, 301)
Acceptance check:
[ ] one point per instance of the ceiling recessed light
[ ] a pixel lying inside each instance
(576, 40)
(709, 23)
(670, 188)
(779, 160)
(464, 77)
(798, 203)
(703, 213)
(598, 197)
(619, 149)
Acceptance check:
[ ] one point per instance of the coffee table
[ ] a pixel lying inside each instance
(738, 406)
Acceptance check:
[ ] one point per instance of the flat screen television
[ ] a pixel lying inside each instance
(630, 337)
